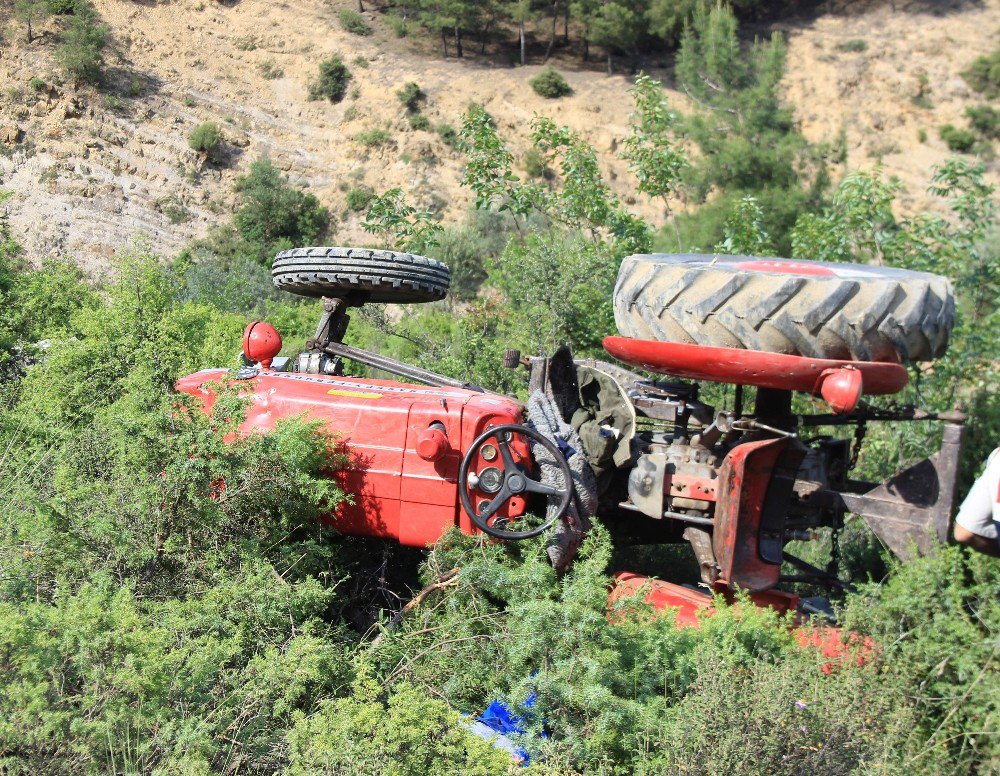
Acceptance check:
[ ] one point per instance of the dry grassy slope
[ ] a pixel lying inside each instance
(871, 94)
(98, 177)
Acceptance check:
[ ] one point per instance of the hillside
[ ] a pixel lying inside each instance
(89, 172)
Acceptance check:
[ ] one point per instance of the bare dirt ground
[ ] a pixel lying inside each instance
(89, 175)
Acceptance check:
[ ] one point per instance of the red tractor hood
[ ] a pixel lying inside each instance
(397, 493)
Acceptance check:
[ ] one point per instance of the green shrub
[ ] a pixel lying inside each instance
(854, 46)
(399, 25)
(983, 75)
(36, 84)
(534, 163)
(419, 121)
(921, 135)
(411, 95)
(985, 119)
(332, 80)
(373, 138)
(549, 83)
(359, 198)
(449, 135)
(353, 22)
(956, 139)
(64, 7)
(79, 51)
(270, 70)
(361, 61)
(205, 138)
(274, 215)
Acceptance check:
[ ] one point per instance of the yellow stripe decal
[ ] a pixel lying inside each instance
(354, 394)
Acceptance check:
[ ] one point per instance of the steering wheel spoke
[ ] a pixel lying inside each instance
(534, 486)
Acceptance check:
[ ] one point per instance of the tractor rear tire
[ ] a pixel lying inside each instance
(361, 275)
(817, 309)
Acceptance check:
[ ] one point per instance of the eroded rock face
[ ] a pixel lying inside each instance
(10, 134)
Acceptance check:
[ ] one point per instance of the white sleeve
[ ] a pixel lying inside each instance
(976, 512)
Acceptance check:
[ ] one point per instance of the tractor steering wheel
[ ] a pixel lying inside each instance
(514, 482)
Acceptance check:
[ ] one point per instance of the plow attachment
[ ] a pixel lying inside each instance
(911, 510)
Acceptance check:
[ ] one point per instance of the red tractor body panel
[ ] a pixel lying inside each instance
(396, 493)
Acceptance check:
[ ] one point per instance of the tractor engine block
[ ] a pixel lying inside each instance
(678, 478)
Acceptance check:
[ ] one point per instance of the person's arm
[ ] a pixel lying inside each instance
(975, 541)
(977, 512)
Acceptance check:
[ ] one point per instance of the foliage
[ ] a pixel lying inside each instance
(853, 46)
(331, 83)
(399, 223)
(205, 138)
(353, 22)
(957, 139)
(269, 70)
(419, 121)
(272, 216)
(985, 119)
(983, 74)
(79, 50)
(411, 95)
(744, 134)
(31, 13)
(550, 83)
(359, 198)
(373, 138)
(745, 232)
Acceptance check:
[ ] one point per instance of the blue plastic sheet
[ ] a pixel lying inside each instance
(498, 722)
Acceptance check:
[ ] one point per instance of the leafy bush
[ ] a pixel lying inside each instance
(373, 138)
(332, 80)
(419, 121)
(411, 95)
(960, 140)
(359, 198)
(983, 75)
(205, 138)
(449, 135)
(549, 83)
(353, 22)
(36, 84)
(985, 119)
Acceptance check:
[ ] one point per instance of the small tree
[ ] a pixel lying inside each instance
(80, 51)
(332, 81)
(31, 12)
(205, 139)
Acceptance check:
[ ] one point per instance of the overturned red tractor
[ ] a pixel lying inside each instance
(645, 456)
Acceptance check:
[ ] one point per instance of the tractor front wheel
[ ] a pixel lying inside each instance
(361, 275)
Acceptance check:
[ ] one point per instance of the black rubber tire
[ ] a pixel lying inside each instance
(817, 309)
(361, 275)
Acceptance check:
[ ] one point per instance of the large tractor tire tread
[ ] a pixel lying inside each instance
(813, 309)
(361, 275)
